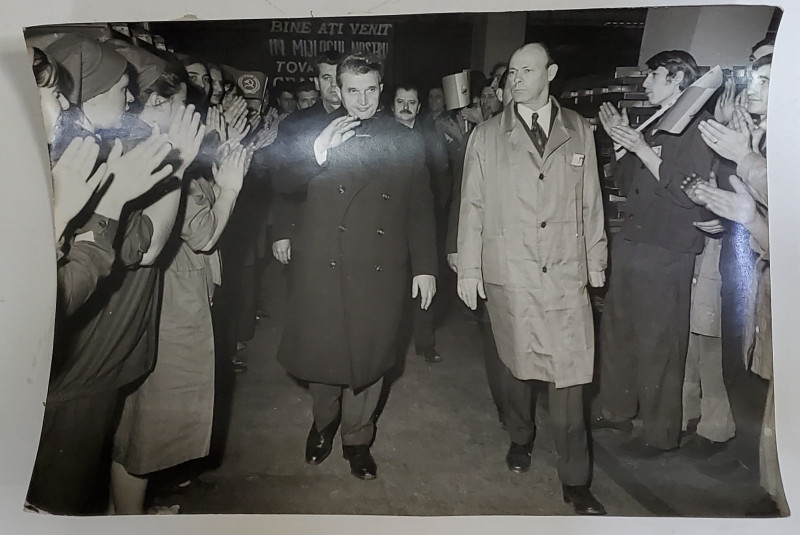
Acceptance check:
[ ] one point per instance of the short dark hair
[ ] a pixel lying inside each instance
(501, 83)
(408, 86)
(760, 62)
(676, 61)
(359, 63)
(329, 57)
(304, 87)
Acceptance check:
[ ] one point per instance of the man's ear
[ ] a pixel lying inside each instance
(551, 72)
(338, 91)
(499, 93)
(677, 78)
(381, 87)
(316, 83)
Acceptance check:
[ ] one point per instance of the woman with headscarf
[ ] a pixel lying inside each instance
(167, 420)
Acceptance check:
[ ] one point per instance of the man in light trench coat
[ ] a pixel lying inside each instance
(530, 238)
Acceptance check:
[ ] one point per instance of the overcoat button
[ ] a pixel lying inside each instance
(544, 269)
(544, 224)
(378, 268)
(385, 196)
(342, 228)
(381, 232)
(637, 191)
(341, 188)
(541, 176)
(102, 223)
(332, 263)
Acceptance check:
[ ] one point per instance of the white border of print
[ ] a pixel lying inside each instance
(27, 275)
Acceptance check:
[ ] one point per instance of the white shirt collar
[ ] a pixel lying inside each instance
(543, 115)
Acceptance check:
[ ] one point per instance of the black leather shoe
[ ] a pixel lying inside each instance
(320, 443)
(430, 354)
(362, 465)
(583, 500)
(518, 458)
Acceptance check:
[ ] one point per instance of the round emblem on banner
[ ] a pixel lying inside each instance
(249, 83)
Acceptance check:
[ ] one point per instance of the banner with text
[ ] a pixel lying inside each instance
(293, 44)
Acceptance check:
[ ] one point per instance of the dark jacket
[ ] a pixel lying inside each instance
(367, 215)
(658, 212)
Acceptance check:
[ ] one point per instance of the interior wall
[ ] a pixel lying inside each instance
(712, 34)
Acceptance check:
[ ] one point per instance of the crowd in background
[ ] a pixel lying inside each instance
(165, 218)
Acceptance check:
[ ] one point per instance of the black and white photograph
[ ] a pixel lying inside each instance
(412, 264)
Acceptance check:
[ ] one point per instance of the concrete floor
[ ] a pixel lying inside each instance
(439, 448)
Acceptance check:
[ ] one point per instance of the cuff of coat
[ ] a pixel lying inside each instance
(102, 229)
(469, 273)
(748, 164)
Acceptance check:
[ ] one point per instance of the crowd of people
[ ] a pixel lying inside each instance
(172, 191)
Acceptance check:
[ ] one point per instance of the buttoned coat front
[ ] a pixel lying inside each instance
(532, 227)
(366, 223)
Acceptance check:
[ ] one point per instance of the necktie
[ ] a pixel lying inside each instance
(538, 135)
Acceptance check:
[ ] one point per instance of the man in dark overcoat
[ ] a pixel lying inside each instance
(367, 220)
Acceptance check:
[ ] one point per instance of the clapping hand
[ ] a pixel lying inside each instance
(737, 205)
(186, 134)
(723, 109)
(610, 117)
(233, 107)
(72, 185)
(134, 173)
(727, 142)
(215, 122)
(238, 129)
(230, 173)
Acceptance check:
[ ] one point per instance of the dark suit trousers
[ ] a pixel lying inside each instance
(644, 336)
(355, 407)
(565, 407)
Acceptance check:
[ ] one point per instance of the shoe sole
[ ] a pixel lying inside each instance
(586, 513)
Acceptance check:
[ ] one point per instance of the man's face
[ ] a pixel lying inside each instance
(360, 93)
(198, 75)
(159, 110)
(216, 86)
(107, 109)
(326, 84)
(436, 100)
(758, 90)
(53, 103)
(530, 76)
(306, 99)
(406, 106)
(490, 105)
(286, 102)
(660, 89)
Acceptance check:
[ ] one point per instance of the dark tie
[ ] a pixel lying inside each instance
(537, 134)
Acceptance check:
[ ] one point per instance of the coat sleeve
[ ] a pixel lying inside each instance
(438, 165)
(293, 152)
(593, 216)
(471, 212)
(89, 259)
(421, 223)
(285, 212)
(451, 241)
(200, 221)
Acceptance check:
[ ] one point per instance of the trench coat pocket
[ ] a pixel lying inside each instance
(494, 261)
(570, 323)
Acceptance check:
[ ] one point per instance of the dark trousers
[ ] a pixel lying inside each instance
(495, 369)
(355, 407)
(644, 335)
(73, 458)
(565, 406)
(424, 326)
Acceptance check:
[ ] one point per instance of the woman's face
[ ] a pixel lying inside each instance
(198, 75)
(53, 103)
(158, 110)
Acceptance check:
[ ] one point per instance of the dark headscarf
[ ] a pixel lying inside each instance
(93, 67)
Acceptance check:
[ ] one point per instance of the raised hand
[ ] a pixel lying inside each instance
(610, 117)
(737, 205)
(230, 173)
(723, 109)
(215, 122)
(235, 108)
(264, 137)
(727, 142)
(134, 172)
(337, 132)
(72, 185)
(186, 134)
(630, 139)
(238, 129)
(425, 287)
